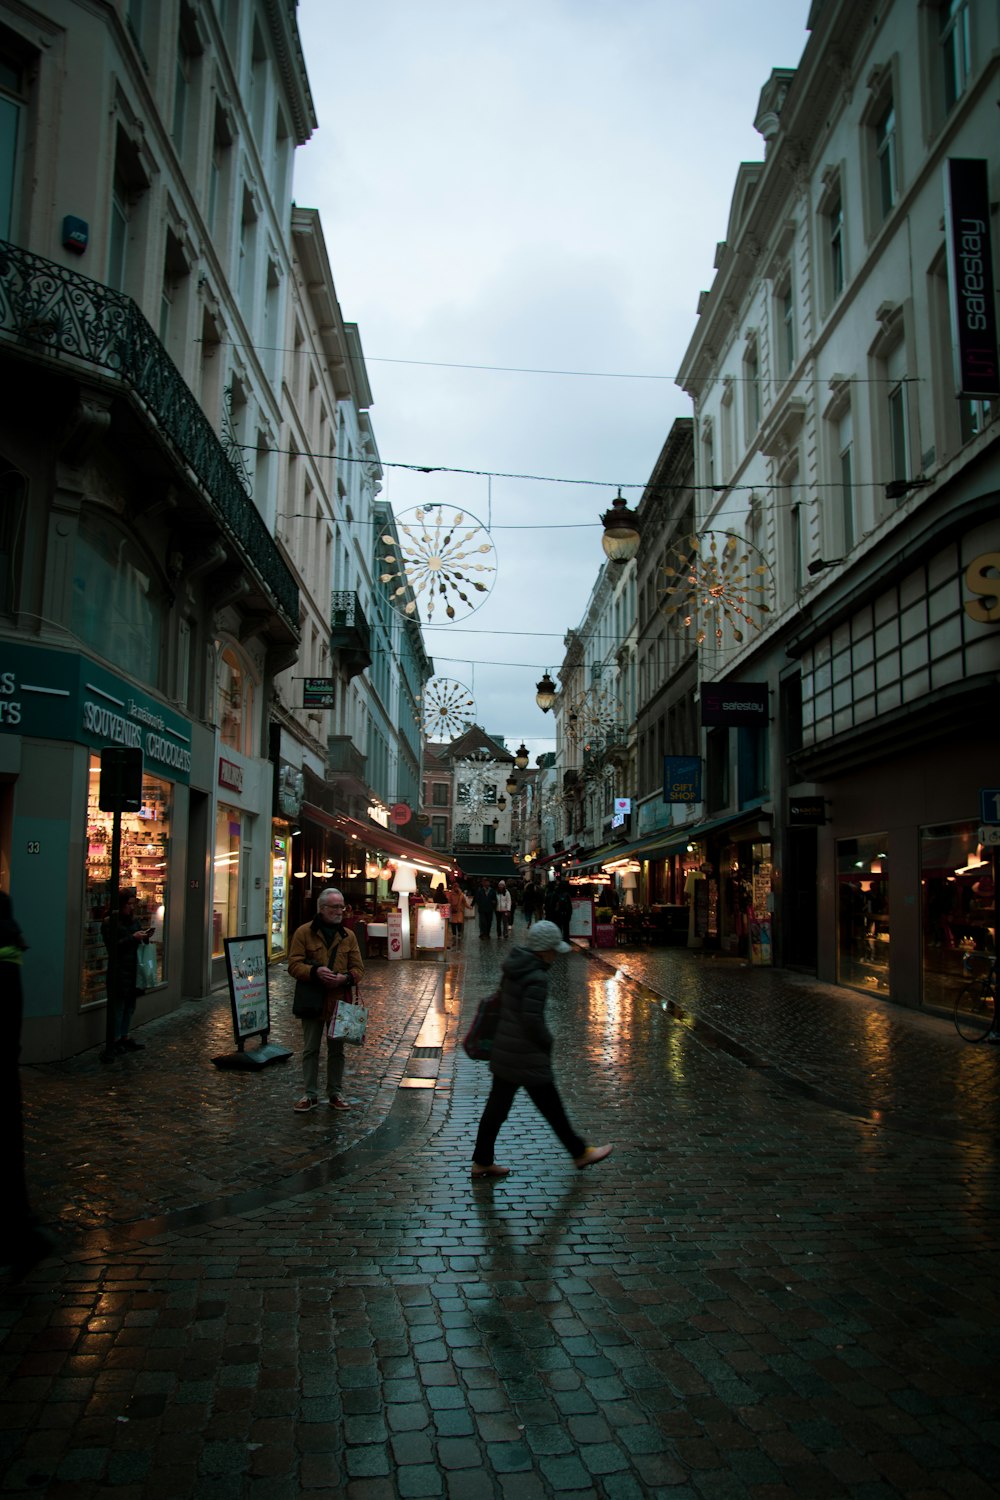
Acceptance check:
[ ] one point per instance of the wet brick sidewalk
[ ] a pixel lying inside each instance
(757, 1297)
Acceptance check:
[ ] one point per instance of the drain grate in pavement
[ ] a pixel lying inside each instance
(426, 1052)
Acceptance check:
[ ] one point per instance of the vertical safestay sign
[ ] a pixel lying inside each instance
(970, 278)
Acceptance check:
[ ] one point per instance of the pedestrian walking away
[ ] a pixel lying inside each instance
(325, 961)
(529, 901)
(131, 931)
(521, 1055)
(456, 911)
(504, 907)
(486, 905)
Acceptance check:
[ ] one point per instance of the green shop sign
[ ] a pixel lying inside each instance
(60, 695)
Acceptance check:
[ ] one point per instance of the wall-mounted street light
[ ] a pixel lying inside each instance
(520, 757)
(545, 693)
(621, 531)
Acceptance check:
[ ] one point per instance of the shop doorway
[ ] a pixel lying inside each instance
(799, 929)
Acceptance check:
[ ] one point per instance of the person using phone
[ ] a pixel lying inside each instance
(130, 933)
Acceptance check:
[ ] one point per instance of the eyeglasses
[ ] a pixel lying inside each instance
(332, 906)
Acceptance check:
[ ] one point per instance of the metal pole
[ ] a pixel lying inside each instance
(113, 928)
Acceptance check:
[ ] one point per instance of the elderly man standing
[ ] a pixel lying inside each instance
(324, 959)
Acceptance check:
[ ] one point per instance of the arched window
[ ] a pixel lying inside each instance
(235, 702)
(116, 606)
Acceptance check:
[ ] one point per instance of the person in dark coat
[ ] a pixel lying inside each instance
(529, 901)
(131, 932)
(23, 1241)
(561, 908)
(486, 905)
(521, 1056)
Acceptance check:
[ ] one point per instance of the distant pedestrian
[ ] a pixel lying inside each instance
(504, 909)
(23, 1242)
(486, 905)
(529, 901)
(324, 959)
(559, 907)
(124, 936)
(522, 1053)
(456, 911)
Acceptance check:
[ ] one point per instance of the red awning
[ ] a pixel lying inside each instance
(553, 859)
(372, 836)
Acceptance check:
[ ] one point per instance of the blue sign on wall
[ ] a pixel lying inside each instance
(682, 778)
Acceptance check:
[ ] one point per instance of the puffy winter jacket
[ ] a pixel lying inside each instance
(522, 1048)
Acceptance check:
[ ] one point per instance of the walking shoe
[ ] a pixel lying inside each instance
(591, 1155)
(132, 1046)
(305, 1104)
(491, 1171)
(337, 1103)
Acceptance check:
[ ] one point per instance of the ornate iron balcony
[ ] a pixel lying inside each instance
(52, 310)
(350, 636)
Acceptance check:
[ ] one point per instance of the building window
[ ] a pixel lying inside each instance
(887, 172)
(831, 211)
(13, 502)
(973, 416)
(954, 50)
(440, 794)
(116, 605)
(439, 833)
(234, 703)
(11, 140)
(752, 749)
(489, 834)
(897, 434)
(708, 453)
(784, 304)
(845, 478)
(218, 172)
(751, 389)
(792, 530)
(128, 186)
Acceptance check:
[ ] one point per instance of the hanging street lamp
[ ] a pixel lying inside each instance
(621, 531)
(511, 785)
(521, 756)
(545, 693)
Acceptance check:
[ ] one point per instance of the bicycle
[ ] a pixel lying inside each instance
(975, 1013)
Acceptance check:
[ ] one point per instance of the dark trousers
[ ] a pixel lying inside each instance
(545, 1098)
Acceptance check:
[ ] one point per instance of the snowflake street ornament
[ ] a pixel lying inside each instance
(448, 708)
(476, 779)
(592, 715)
(712, 587)
(434, 562)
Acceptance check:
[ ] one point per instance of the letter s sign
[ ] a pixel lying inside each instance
(982, 577)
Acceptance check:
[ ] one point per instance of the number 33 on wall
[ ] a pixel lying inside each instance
(34, 847)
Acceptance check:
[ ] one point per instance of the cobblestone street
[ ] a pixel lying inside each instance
(782, 1283)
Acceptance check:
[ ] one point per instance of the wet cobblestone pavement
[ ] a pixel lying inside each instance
(783, 1282)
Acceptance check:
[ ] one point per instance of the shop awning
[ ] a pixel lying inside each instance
(372, 836)
(561, 857)
(493, 866)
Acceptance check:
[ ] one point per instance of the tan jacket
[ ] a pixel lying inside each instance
(309, 952)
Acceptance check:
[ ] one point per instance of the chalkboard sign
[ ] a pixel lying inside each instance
(246, 964)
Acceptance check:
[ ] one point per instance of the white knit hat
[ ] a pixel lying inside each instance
(544, 937)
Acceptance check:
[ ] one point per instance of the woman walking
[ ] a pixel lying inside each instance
(456, 912)
(522, 1053)
(504, 905)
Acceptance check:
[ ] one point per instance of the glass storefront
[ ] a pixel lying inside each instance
(863, 912)
(278, 923)
(958, 910)
(145, 863)
(226, 884)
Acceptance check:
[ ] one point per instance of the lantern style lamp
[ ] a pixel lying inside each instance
(404, 881)
(501, 803)
(520, 758)
(511, 785)
(545, 693)
(621, 531)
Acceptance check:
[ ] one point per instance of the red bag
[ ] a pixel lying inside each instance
(478, 1040)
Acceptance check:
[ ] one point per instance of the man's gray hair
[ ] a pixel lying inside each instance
(328, 895)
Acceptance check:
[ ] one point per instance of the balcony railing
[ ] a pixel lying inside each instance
(53, 310)
(344, 758)
(350, 636)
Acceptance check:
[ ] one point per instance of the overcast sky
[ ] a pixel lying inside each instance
(541, 184)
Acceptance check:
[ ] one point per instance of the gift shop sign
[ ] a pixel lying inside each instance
(56, 695)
